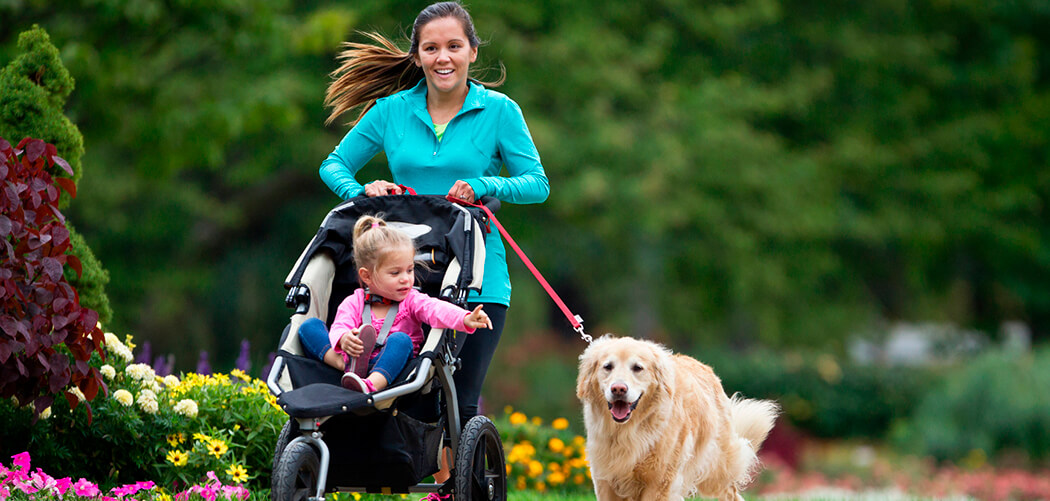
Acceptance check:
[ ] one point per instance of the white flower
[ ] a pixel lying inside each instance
(124, 397)
(80, 395)
(108, 371)
(187, 408)
(171, 381)
(124, 353)
(112, 340)
(148, 401)
(140, 372)
(46, 413)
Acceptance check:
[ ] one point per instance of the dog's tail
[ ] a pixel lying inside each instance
(752, 419)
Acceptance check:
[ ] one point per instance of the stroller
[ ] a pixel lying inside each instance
(338, 440)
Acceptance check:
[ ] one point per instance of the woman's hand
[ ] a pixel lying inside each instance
(351, 344)
(380, 187)
(462, 191)
(477, 319)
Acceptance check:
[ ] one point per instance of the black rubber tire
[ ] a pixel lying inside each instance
(288, 432)
(481, 471)
(297, 473)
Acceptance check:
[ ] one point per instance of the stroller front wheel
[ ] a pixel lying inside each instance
(481, 471)
(297, 473)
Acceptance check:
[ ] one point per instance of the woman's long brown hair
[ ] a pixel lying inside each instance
(370, 71)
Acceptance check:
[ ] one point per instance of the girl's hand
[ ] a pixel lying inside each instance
(352, 344)
(477, 319)
(462, 191)
(380, 187)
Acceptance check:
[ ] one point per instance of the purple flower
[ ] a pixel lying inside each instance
(145, 353)
(244, 360)
(203, 366)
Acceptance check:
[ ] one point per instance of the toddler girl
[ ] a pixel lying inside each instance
(386, 268)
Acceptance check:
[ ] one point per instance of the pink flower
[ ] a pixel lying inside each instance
(235, 492)
(85, 489)
(21, 461)
(62, 485)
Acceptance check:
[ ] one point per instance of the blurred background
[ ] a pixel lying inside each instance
(839, 205)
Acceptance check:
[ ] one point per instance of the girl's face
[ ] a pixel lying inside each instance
(445, 55)
(394, 277)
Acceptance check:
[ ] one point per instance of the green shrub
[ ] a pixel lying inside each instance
(994, 404)
(822, 394)
(170, 430)
(33, 92)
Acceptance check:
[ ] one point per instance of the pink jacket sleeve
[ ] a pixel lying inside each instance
(438, 313)
(347, 317)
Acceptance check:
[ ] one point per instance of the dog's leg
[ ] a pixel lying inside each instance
(603, 491)
(731, 494)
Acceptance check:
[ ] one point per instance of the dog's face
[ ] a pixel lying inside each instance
(621, 374)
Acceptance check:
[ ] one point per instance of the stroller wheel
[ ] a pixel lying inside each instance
(481, 471)
(297, 473)
(288, 432)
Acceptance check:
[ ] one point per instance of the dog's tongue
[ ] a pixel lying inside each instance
(620, 410)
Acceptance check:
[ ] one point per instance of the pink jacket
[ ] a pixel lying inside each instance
(411, 313)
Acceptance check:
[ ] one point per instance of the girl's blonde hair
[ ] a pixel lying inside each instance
(370, 71)
(374, 239)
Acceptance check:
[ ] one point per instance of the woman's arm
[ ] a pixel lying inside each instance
(353, 152)
(527, 182)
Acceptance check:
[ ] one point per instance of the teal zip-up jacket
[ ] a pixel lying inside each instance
(488, 133)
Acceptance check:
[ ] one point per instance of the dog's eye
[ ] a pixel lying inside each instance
(608, 366)
(637, 368)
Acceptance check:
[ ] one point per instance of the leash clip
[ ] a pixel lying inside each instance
(579, 330)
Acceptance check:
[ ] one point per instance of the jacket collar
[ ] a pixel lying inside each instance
(417, 96)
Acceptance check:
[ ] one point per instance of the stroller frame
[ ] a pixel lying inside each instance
(303, 465)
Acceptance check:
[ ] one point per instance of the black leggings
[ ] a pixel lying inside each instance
(476, 355)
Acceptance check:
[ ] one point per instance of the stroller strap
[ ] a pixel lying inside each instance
(388, 322)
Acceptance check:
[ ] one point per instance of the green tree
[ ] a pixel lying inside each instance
(34, 88)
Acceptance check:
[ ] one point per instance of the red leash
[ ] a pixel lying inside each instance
(575, 320)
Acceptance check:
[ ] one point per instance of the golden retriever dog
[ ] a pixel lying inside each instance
(660, 426)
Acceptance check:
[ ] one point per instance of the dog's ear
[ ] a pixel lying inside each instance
(585, 379)
(664, 369)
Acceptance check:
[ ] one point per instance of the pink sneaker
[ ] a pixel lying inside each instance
(359, 365)
(433, 496)
(354, 382)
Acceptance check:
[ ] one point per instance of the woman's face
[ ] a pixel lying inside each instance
(445, 55)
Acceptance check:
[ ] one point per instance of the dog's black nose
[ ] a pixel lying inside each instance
(619, 390)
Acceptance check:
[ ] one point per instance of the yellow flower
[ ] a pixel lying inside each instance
(518, 418)
(540, 486)
(521, 483)
(217, 448)
(555, 445)
(577, 479)
(173, 440)
(200, 437)
(237, 473)
(162, 496)
(124, 397)
(579, 441)
(536, 420)
(508, 409)
(177, 457)
(356, 496)
(535, 468)
(560, 423)
(556, 478)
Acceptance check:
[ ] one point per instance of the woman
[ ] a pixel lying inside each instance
(443, 133)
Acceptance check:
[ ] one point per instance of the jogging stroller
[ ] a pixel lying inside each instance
(389, 441)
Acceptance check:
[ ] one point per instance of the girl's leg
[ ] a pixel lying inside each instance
(313, 336)
(391, 360)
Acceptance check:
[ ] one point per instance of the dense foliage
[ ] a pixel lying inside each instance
(170, 430)
(766, 171)
(34, 88)
(46, 336)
